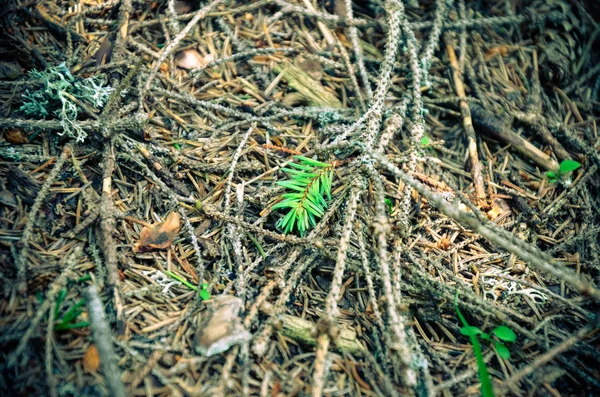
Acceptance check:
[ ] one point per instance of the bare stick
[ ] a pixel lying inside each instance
(107, 226)
(324, 338)
(467, 123)
(101, 333)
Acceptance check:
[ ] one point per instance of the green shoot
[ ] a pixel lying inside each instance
(68, 319)
(258, 246)
(566, 167)
(425, 140)
(389, 204)
(309, 182)
(502, 333)
(204, 293)
(181, 280)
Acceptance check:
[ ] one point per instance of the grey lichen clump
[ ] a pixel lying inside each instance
(63, 95)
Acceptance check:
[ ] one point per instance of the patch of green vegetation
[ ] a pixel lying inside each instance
(67, 320)
(309, 183)
(501, 333)
(566, 167)
(204, 293)
(62, 96)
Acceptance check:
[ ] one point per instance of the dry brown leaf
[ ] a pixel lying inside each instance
(16, 136)
(494, 213)
(309, 66)
(7, 198)
(185, 6)
(222, 328)
(189, 59)
(91, 359)
(160, 236)
(444, 243)
(104, 53)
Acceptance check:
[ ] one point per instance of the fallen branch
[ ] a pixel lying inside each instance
(101, 333)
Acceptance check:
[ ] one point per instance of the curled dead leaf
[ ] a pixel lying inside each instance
(185, 6)
(444, 243)
(309, 66)
(16, 136)
(189, 59)
(160, 236)
(91, 359)
(222, 328)
(104, 52)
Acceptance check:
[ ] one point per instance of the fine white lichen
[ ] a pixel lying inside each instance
(55, 98)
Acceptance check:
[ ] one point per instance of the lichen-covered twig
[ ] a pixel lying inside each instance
(101, 334)
(21, 260)
(497, 236)
(465, 111)
(329, 322)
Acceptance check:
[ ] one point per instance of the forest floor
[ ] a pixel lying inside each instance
(289, 198)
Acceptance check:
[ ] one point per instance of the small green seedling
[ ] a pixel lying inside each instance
(68, 319)
(181, 280)
(389, 204)
(566, 167)
(425, 140)
(310, 181)
(204, 293)
(502, 334)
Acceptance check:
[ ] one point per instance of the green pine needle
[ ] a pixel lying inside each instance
(310, 182)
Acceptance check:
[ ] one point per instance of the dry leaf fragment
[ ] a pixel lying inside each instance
(223, 327)
(7, 198)
(91, 359)
(9, 70)
(309, 66)
(16, 136)
(444, 243)
(104, 52)
(189, 59)
(160, 236)
(185, 6)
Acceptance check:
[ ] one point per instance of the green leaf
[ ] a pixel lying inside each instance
(293, 185)
(487, 389)
(485, 336)
(567, 166)
(204, 295)
(314, 163)
(502, 350)
(63, 326)
(59, 300)
(425, 140)
(300, 166)
(504, 333)
(73, 312)
(470, 331)
(551, 175)
(389, 203)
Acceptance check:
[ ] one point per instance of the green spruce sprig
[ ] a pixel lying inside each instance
(309, 183)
